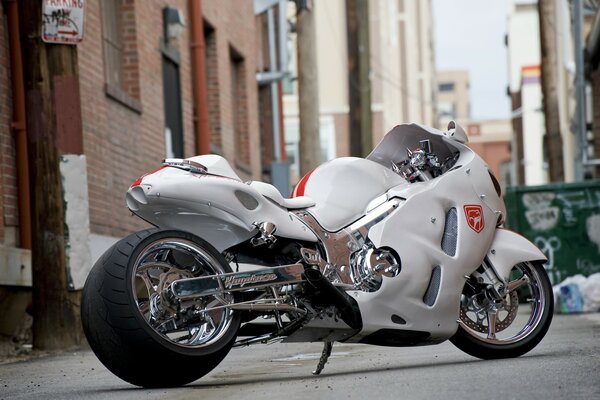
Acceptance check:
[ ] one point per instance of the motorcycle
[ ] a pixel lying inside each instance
(405, 247)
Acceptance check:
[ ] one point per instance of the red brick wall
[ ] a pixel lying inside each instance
(212, 87)
(120, 143)
(8, 190)
(493, 153)
(235, 26)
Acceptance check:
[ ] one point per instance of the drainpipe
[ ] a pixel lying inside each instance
(201, 127)
(281, 125)
(18, 124)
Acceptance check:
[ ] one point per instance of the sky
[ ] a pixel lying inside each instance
(469, 34)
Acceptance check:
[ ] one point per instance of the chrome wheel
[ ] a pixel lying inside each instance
(184, 324)
(504, 321)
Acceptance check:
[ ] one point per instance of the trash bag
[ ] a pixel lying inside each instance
(570, 299)
(590, 291)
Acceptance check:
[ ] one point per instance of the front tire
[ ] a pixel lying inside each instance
(138, 336)
(510, 332)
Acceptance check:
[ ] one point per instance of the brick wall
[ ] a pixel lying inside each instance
(212, 87)
(123, 136)
(122, 143)
(8, 190)
(234, 26)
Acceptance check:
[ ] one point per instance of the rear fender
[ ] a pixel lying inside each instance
(508, 248)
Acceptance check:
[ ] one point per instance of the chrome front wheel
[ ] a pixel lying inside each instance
(492, 327)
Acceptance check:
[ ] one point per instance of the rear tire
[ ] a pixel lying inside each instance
(117, 327)
(511, 342)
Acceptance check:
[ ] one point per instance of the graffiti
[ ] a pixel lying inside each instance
(572, 203)
(61, 19)
(543, 220)
(592, 226)
(549, 246)
(540, 215)
(586, 267)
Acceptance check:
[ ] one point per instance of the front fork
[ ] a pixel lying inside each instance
(487, 275)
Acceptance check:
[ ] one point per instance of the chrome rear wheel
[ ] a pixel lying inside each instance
(159, 264)
(133, 326)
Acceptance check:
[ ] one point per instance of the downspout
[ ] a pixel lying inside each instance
(281, 125)
(201, 126)
(18, 124)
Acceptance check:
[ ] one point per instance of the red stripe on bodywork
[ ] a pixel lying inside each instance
(301, 186)
(141, 178)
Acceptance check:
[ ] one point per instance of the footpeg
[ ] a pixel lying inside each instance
(266, 231)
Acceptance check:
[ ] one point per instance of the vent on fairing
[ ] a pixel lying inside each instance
(450, 232)
(434, 286)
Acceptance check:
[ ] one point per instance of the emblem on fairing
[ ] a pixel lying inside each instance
(474, 215)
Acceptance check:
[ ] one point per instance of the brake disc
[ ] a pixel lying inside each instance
(503, 320)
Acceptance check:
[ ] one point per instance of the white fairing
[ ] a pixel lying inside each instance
(415, 232)
(343, 195)
(342, 189)
(509, 248)
(218, 208)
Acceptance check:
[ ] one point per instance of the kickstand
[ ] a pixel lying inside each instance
(324, 357)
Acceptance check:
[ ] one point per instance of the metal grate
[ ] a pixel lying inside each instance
(434, 286)
(450, 232)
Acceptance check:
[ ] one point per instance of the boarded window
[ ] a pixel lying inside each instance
(212, 87)
(121, 64)
(239, 109)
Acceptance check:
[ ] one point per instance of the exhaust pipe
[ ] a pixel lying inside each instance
(324, 293)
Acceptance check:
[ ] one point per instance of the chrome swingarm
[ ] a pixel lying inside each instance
(192, 288)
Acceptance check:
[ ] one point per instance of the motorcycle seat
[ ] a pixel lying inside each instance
(270, 192)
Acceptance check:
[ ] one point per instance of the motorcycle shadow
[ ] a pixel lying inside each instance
(300, 373)
(281, 373)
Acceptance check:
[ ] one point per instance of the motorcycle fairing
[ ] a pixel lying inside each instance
(343, 188)
(509, 248)
(415, 232)
(221, 209)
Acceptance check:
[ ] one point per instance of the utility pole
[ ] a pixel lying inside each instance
(553, 142)
(308, 87)
(359, 84)
(53, 122)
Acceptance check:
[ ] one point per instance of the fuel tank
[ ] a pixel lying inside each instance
(343, 188)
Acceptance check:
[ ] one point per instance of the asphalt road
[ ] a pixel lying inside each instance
(565, 365)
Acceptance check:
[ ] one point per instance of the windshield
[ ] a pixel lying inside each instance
(394, 145)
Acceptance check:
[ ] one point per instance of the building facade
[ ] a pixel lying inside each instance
(137, 107)
(523, 44)
(402, 73)
(453, 98)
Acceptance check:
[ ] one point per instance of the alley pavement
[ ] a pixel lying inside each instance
(565, 365)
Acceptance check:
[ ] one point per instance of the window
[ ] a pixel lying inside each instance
(239, 110)
(120, 52)
(446, 87)
(212, 88)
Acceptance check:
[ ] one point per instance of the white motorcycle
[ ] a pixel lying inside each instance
(403, 248)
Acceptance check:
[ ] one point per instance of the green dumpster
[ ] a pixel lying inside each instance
(563, 220)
